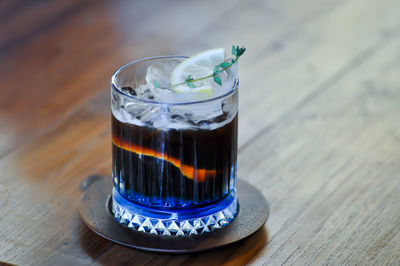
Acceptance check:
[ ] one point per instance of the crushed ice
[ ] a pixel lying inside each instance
(209, 114)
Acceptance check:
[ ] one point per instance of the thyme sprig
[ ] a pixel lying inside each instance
(189, 81)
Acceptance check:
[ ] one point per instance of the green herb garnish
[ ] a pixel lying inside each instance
(189, 81)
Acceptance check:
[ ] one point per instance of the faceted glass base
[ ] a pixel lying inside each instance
(185, 222)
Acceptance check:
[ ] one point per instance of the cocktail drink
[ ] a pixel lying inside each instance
(174, 150)
(175, 167)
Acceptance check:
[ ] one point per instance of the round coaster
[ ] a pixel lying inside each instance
(94, 209)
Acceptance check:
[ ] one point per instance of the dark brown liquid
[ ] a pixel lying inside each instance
(174, 168)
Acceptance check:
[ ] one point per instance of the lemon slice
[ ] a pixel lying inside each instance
(197, 66)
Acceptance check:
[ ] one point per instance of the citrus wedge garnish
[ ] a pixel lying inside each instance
(197, 66)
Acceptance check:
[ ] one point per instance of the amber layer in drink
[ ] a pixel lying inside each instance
(175, 167)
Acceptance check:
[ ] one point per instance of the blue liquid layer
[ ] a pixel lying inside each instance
(178, 221)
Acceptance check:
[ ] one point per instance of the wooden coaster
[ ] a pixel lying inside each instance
(94, 209)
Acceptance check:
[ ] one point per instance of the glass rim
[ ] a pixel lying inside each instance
(119, 70)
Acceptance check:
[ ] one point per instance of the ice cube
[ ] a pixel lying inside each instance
(129, 111)
(169, 96)
(144, 92)
(195, 113)
(134, 109)
(149, 114)
(156, 116)
(126, 117)
(161, 71)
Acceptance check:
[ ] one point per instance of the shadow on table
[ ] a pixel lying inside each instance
(105, 252)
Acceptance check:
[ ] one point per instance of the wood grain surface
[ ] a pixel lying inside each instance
(319, 130)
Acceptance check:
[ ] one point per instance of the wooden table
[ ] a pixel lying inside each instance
(319, 122)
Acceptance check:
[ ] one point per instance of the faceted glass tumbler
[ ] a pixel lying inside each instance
(174, 164)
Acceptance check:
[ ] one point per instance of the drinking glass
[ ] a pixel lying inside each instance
(174, 164)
